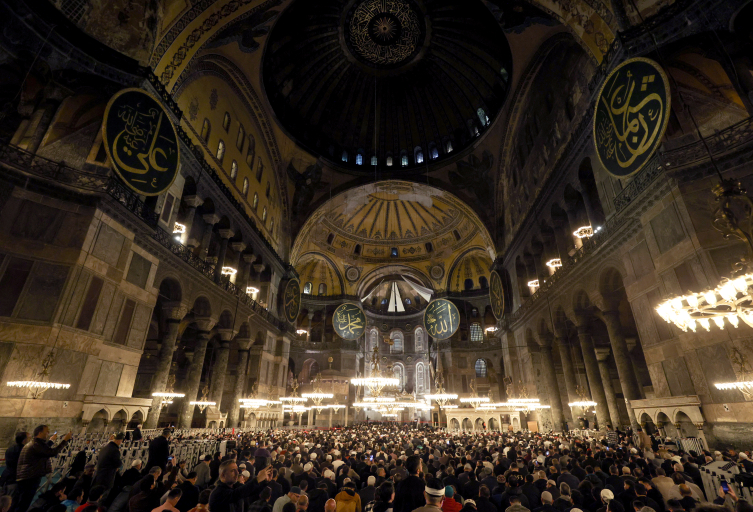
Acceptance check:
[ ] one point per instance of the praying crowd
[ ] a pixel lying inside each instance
(376, 468)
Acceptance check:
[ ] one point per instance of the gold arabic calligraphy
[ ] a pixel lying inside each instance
(441, 319)
(631, 116)
(139, 136)
(349, 321)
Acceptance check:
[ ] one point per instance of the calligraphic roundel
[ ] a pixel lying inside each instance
(141, 141)
(349, 321)
(441, 319)
(496, 295)
(291, 300)
(632, 112)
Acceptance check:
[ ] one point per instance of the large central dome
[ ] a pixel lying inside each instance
(394, 83)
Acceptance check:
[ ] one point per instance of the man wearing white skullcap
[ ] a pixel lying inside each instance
(434, 496)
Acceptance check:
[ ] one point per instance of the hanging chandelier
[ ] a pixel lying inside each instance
(441, 396)
(584, 232)
(41, 383)
(584, 401)
(317, 396)
(203, 403)
(293, 398)
(474, 399)
(376, 383)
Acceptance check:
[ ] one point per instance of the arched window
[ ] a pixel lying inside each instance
(373, 339)
(480, 369)
(482, 117)
(374, 160)
(322, 289)
(220, 151)
(205, 129)
(359, 159)
(418, 155)
(345, 156)
(389, 161)
(476, 333)
(241, 138)
(233, 170)
(245, 187)
(483, 283)
(264, 215)
(472, 128)
(330, 238)
(397, 342)
(357, 250)
(259, 170)
(307, 288)
(448, 146)
(434, 153)
(399, 373)
(226, 122)
(456, 234)
(266, 192)
(256, 201)
(418, 336)
(468, 284)
(251, 152)
(404, 160)
(420, 376)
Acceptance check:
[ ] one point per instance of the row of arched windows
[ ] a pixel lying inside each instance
(308, 287)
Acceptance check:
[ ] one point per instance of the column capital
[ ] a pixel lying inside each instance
(211, 218)
(249, 258)
(193, 201)
(244, 343)
(546, 340)
(602, 353)
(205, 323)
(631, 343)
(226, 334)
(259, 268)
(226, 233)
(238, 246)
(174, 310)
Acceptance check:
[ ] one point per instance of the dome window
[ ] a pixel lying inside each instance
(307, 288)
(256, 196)
(429, 247)
(482, 117)
(480, 366)
(357, 250)
(418, 155)
(259, 170)
(220, 151)
(389, 161)
(345, 156)
(245, 186)
(330, 238)
(374, 160)
(233, 170)
(434, 153)
(226, 122)
(359, 159)
(205, 129)
(393, 252)
(476, 333)
(448, 146)
(404, 160)
(322, 289)
(241, 138)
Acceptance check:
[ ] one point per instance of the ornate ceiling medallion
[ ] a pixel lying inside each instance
(385, 32)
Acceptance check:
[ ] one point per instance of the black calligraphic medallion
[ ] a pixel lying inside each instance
(496, 295)
(349, 321)
(141, 141)
(632, 112)
(441, 319)
(291, 300)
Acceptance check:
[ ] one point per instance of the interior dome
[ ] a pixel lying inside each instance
(398, 82)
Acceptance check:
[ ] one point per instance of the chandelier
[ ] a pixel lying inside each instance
(168, 395)
(584, 232)
(474, 399)
(554, 263)
(441, 396)
(534, 283)
(203, 403)
(376, 382)
(293, 398)
(318, 396)
(41, 383)
(584, 401)
(250, 290)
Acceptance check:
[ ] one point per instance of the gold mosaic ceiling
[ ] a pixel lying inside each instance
(392, 221)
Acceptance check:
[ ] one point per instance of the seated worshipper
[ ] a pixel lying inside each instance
(173, 497)
(73, 500)
(348, 499)
(546, 503)
(674, 492)
(203, 504)
(449, 504)
(515, 505)
(226, 496)
(434, 493)
(48, 499)
(292, 496)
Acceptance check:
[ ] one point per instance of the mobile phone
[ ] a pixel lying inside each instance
(547, 453)
(725, 486)
(372, 457)
(55, 433)
(607, 448)
(170, 457)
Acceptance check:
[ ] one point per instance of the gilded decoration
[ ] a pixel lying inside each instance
(349, 321)
(385, 32)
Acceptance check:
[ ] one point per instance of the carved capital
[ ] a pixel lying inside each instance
(226, 334)
(249, 258)
(602, 353)
(211, 218)
(244, 343)
(226, 233)
(205, 324)
(174, 310)
(238, 246)
(259, 268)
(193, 201)
(545, 340)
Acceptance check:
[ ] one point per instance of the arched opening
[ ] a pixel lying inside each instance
(481, 369)
(454, 425)
(309, 370)
(686, 426)
(591, 193)
(480, 425)
(467, 425)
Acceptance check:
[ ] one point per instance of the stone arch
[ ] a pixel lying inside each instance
(479, 425)
(202, 307)
(515, 423)
(137, 418)
(685, 423)
(467, 425)
(454, 424)
(309, 370)
(581, 300)
(119, 421)
(610, 282)
(98, 421)
(226, 320)
(170, 289)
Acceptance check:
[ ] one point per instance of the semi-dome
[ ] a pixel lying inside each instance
(392, 83)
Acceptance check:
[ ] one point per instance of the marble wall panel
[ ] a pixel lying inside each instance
(42, 293)
(697, 376)
(667, 229)
(89, 377)
(717, 368)
(6, 350)
(109, 378)
(659, 380)
(641, 260)
(138, 270)
(69, 368)
(127, 380)
(77, 296)
(113, 315)
(139, 327)
(678, 377)
(108, 245)
(103, 308)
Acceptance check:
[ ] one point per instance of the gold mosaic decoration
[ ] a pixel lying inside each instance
(385, 32)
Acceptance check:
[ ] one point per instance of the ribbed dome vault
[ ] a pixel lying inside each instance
(427, 77)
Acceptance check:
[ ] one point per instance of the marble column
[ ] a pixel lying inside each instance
(622, 360)
(219, 368)
(550, 379)
(174, 313)
(192, 202)
(594, 378)
(226, 235)
(210, 219)
(244, 270)
(233, 416)
(261, 296)
(567, 368)
(602, 354)
(631, 344)
(194, 373)
(235, 262)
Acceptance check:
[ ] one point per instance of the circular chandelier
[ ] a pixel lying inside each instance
(376, 382)
(203, 403)
(441, 396)
(293, 398)
(41, 383)
(317, 396)
(474, 399)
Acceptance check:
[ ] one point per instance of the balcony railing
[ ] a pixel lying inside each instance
(59, 173)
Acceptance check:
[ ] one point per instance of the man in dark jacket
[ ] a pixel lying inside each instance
(34, 463)
(109, 462)
(159, 450)
(136, 436)
(227, 496)
(190, 496)
(11, 459)
(482, 500)
(147, 499)
(410, 492)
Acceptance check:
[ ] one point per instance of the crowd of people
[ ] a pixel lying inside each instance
(377, 468)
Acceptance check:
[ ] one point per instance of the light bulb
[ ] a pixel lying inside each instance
(705, 323)
(733, 320)
(719, 321)
(710, 297)
(692, 300)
